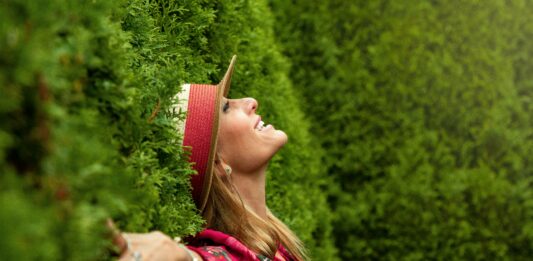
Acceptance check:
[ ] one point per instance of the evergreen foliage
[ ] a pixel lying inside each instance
(419, 111)
(87, 133)
(423, 109)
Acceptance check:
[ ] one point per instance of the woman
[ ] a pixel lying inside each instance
(231, 147)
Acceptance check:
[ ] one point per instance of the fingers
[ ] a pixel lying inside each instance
(118, 238)
(143, 246)
(154, 246)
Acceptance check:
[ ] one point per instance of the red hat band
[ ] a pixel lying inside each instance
(201, 125)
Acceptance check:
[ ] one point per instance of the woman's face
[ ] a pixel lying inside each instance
(245, 142)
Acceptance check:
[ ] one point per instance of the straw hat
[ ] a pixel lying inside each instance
(202, 103)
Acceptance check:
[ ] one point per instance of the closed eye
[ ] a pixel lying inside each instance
(226, 106)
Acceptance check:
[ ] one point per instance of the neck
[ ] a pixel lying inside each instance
(251, 187)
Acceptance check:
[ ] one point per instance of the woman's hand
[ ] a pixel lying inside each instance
(149, 246)
(152, 246)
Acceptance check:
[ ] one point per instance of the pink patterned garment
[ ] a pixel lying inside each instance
(213, 245)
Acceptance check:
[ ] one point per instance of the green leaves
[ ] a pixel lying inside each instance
(423, 121)
(87, 132)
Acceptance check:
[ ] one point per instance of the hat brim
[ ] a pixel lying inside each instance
(222, 91)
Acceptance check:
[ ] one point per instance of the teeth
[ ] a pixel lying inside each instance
(260, 125)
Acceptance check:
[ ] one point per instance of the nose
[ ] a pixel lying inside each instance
(250, 105)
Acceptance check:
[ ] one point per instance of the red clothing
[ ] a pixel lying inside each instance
(213, 245)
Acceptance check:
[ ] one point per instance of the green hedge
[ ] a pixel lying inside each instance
(86, 131)
(419, 112)
(424, 111)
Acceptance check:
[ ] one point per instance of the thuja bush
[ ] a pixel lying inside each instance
(63, 82)
(87, 132)
(423, 110)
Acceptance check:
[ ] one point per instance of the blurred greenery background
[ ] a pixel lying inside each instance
(410, 122)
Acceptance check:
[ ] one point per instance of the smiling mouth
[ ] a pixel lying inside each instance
(260, 125)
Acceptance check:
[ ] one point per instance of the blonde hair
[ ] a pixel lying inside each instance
(226, 212)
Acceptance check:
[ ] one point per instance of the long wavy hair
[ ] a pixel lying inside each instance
(225, 211)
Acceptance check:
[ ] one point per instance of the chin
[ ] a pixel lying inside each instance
(281, 138)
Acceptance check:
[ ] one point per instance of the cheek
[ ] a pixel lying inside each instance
(232, 128)
(232, 133)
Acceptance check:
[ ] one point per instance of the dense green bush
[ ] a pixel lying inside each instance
(86, 131)
(63, 89)
(424, 112)
(419, 112)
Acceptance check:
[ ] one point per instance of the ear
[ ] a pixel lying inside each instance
(222, 164)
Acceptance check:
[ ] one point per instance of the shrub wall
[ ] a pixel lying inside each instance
(86, 132)
(424, 111)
